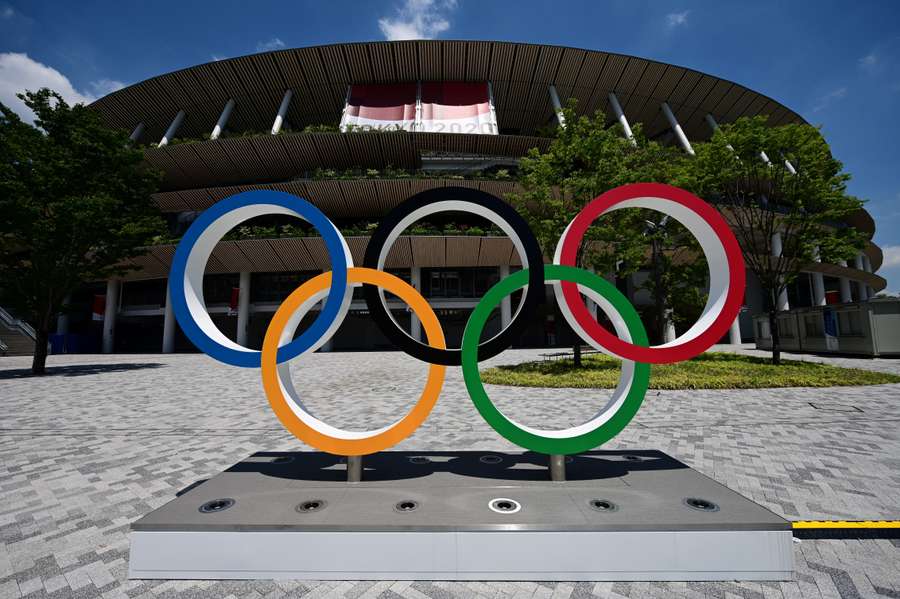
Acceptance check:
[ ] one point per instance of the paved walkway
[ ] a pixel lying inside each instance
(105, 439)
(889, 365)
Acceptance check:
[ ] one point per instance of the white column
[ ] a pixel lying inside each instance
(620, 116)
(343, 124)
(506, 302)
(790, 167)
(867, 264)
(592, 307)
(492, 106)
(62, 323)
(243, 315)
(223, 120)
(415, 326)
(109, 316)
(168, 341)
(734, 333)
(782, 303)
(137, 132)
(711, 121)
(557, 107)
(818, 282)
(787, 164)
(62, 319)
(319, 306)
(417, 124)
(669, 334)
(172, 130)
(846, 294)
(776, 244)
(282, 111)
(860, 285)
(679, 133)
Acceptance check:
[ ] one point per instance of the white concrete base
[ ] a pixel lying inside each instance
(650, 530)
(491, 555)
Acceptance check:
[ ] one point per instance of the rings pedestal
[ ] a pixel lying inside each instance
(632, 515)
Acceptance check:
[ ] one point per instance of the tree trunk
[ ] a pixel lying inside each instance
(659, 296)
(38, 363)
(776, 337)
(661, 321)
(576, 355)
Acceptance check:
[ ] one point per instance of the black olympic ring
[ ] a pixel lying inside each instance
(464, 199)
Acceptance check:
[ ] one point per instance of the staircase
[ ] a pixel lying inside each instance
(16, 336)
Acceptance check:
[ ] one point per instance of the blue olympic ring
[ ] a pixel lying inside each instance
(239, 208)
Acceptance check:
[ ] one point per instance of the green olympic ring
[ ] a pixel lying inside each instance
(603, 427)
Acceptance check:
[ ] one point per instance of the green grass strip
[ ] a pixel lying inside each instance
(707, 371)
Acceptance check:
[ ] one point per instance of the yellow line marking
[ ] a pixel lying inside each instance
(846, 524)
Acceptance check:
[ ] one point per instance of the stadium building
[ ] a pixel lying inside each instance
(358, 128)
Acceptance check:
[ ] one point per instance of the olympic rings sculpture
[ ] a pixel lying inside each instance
(335, 287)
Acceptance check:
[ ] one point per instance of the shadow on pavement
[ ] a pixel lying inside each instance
(510, 467)
(78, 370)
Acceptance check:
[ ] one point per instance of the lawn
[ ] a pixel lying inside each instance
(707, 371)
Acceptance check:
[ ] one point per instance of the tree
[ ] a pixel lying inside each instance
(678, 276)
(586, 158)
(74, 204)
(760, 197)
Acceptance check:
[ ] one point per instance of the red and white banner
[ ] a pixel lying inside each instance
(381, 107)
(438, 107)
(457, 107)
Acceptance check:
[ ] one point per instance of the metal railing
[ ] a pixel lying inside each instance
(17, 324)
(870, 328)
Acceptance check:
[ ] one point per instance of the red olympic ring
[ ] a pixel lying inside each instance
(721, 313)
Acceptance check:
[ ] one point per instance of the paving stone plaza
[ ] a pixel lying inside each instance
(105, 439)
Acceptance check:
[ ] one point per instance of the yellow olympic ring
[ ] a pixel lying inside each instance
(306, 427)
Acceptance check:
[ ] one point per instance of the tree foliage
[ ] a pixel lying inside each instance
(757, 196)
(784, 180)
(74, 203)
(586, 158)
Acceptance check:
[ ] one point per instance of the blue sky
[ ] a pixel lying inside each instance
(836, 63)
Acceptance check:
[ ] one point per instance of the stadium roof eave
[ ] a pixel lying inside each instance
(319, 76)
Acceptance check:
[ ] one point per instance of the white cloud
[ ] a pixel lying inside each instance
(825, 101)
(103, 87)
(677, 19)
(7, 12)
(870, 62)
(19, 72)
(217, 58)
(890, 268)
(891, 256)
(272, 44)
(418, 19)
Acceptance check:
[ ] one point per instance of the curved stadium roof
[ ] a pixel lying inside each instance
(520, 74)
